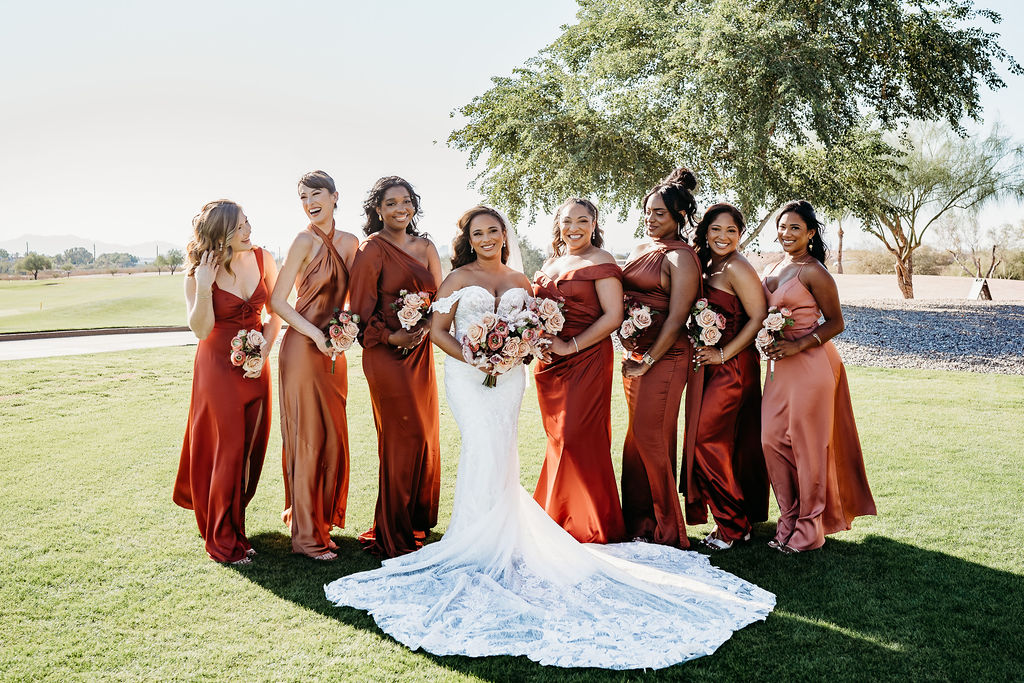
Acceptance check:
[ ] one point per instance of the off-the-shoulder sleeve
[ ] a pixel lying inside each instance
(363, 286)
(445, 304)
(598, 271)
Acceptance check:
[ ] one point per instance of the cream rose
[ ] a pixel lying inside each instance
(710, 335)
(513, 348)
(255, 338)
(547, 307)
(774, 322)
(488, 320)
(476, 333)
(409, 317)
(555, 323)
(350, 329)
(706, 318)
(627, 329)
(642, 319)
(253, 364)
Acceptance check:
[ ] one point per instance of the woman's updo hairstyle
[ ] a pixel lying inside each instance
(817, 247)
(700, 235)
(376, 197)
(462, 251)
(319, 180)
(676, 190)
(558, 245)
(212, 230)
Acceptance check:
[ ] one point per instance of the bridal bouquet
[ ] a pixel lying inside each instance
(706, 324)
(341, 333)
(638, 318)
(771, 330)
(247, 351)
(497, 343)
(412, 307)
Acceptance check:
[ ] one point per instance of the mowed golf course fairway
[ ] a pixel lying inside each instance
(104, 578)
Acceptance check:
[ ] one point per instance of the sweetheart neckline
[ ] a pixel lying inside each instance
(493, 295)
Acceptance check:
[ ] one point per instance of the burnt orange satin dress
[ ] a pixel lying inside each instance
(228, 428)
(314, 428)
(577, 483)
(727, 470)
(808, 433)
(403, 390)
(650, 501)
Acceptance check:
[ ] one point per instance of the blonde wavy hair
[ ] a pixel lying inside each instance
(212, 230)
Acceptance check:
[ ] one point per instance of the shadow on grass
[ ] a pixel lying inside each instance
(874, 610)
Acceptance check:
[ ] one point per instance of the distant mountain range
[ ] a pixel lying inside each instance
(51, 245)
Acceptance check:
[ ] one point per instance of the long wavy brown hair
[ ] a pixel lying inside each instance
(558, 245)
(212, 230)
(462, 252)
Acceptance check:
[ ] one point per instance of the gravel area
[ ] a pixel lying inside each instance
(978, 336)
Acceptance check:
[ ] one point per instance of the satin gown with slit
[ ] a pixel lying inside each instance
(577, 483)
(727, 467)
(228, 428)
(650, 499)
(403, 391)
(314, 428)
(507, 580)
(808, 433)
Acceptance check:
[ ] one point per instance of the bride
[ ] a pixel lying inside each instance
(507, 580)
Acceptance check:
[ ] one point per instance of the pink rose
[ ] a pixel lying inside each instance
(720, 321)
(467, 354)
(700, 304)
(408, 317)
(706, 318)
(710, 335)
(763, 338)
(253, 364)
(642, 318)
(505, 365)
(495, 341)
(547, 307)
(350, 329)
(255, 338)
(628, 329)
(495, 359)
(774, 322)
(786, 313)
(237, 343)
(555, 323)
(341, 344)
(237, 357)
(476, 333)
(334, 331)
(343, 318)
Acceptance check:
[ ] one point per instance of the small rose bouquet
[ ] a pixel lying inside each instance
(412, 307)
(705, 325)
(638, 318)
(247, 352)
(497, 344)
(771, 330)
(341, 333)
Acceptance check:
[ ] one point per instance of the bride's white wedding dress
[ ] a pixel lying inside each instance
(507, 580)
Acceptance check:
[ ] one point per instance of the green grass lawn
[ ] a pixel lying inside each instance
(101, 576)
(96, 301)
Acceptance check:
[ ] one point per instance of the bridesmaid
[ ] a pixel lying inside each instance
(399, 367)
(726, 466)
(663, 274)
(808, 432)
(229, 415)
(314, 388)
(577, 483)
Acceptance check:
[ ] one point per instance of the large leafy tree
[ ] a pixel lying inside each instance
(765, 100)
(33, 263)
(941, 174)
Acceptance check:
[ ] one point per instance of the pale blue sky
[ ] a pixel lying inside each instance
(119, 119)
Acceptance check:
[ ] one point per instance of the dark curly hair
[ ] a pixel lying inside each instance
(376, 198)
(700, 235)
(462, 252)
(676, 190)
(558, 245)
(817, 248)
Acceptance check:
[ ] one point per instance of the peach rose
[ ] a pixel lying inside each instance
(408, 317)
(513, 348)
(350, 329)
(710, 335)
(237, 357)
(627, 329)
(547, 307)
(488, 320)
(763, 338)
(253, 364)
(642, 319)
(504, 366)
(476, 333)
(774, 322)
(706, 318)
(555, 323)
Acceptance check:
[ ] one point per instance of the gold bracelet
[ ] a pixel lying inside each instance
(815, 335)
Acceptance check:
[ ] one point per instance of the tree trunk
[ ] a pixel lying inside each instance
(905, 275)
(839, 258)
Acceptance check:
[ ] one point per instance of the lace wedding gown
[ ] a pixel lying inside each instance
(507, 580)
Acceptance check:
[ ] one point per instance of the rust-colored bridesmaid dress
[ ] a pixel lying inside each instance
(577, 484)
(403, 390)
(809, 435)
(314, 428)
(650, 501)
(725, 465)
(228, 428)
